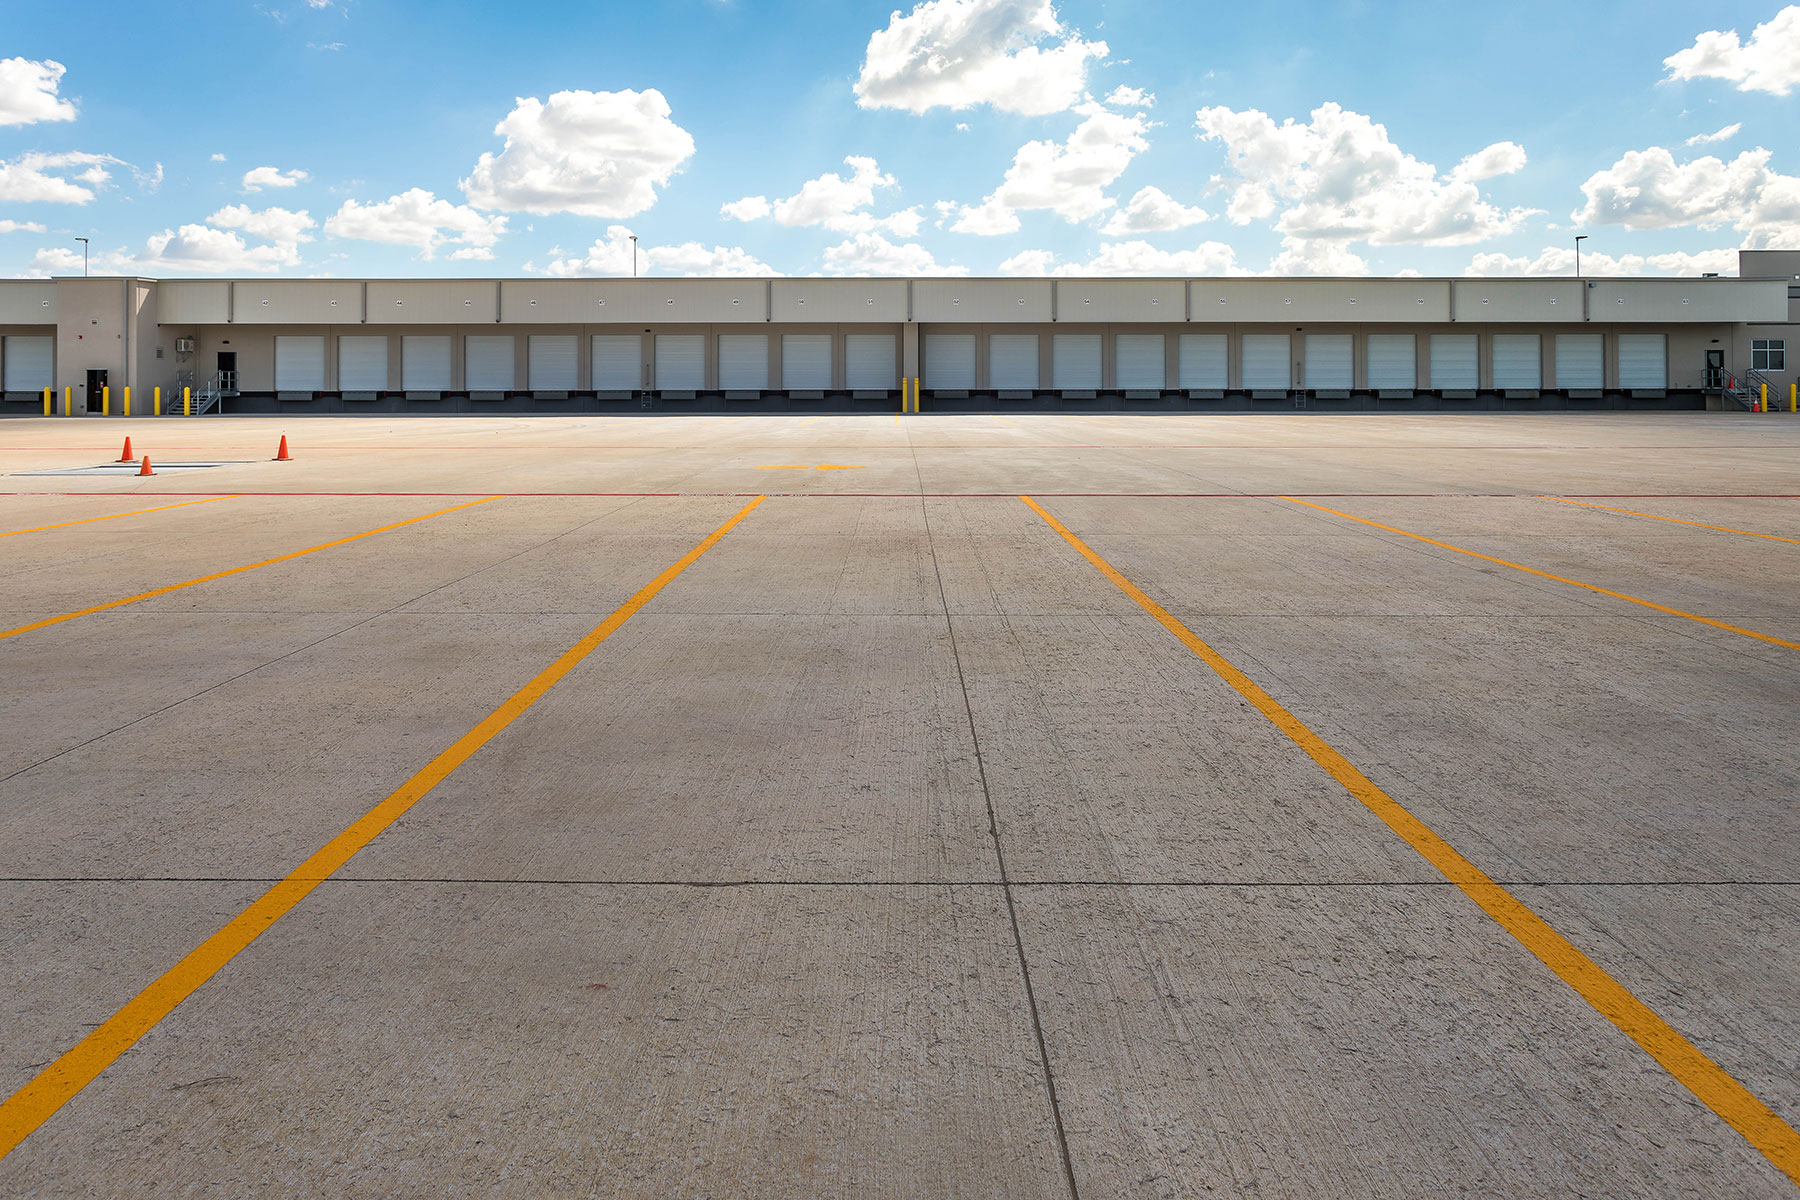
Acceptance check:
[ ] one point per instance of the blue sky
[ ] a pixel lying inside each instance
(370, 137)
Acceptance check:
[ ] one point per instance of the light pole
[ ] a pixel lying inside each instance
(634, 256)
(84, 256)
(1580, 238)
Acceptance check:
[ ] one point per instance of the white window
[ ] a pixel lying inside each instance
(1768, 354)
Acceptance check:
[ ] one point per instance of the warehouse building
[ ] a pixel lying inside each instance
(675, 345)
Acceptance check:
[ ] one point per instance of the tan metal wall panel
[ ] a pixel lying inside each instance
(433, 302)
(649, 301)
(970, 300)
(193, 302)
(292, 301)
(1538, 301)
(1687, 300)
(1120, 300)
(27, 303)
(839, 301)
(1363, 301)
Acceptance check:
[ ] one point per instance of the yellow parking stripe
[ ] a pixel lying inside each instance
(1674, 520)
(1595, 588)
(33, 1104)
(1709, 1082)
(115, 516)
(188, 583)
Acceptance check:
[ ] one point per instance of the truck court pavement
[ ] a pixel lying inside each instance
(1028, 806)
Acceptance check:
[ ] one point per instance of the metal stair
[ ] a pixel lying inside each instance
(208, 396)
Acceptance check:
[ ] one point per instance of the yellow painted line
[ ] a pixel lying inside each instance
(1595, 588)
(816, 467)
(188, 583)
(1675, 520)
(1709, 1082)
(116, 516)
(810, 420)
(33, 1104)
(1003, 420)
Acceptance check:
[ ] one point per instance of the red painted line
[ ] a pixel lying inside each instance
(1013, 495)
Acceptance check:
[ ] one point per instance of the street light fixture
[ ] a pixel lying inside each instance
(1580, 238)
(634, 256)
(84, 255)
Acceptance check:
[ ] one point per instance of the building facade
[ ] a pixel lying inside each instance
(512, 345)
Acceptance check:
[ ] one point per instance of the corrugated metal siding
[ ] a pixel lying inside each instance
(806, 361)
(1120, 300)
(551, 362)
(859, 300)
(1455, 362)
(1330, 361)
(1204, 361)
(1075, 361)
(950, 361)
(30, 363)
(1013, 361)
(297, 302)
(1643, 360)
(617, 365)
(362, 364)
(995, 300)
(869, 362)
(1266, 365)
(743, 362)
(1138, 361)
(425, 363)
(433, 302)
(1580, 360)
(680, 362)
(299, 364)
(1518, 361)
(488, 363)
(193, 302)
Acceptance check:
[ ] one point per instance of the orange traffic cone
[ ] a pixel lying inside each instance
(125, 454)
(144, 467)
(282, 455)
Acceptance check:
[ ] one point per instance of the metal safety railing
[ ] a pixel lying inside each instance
(193, 399)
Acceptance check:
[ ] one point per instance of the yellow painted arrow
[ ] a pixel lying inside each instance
(819, 467)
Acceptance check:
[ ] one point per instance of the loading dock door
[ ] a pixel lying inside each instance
(362, 364)
(488, 363)
(1013, 362)
(550, 362)
(1643, 360)
(806, 361)
(1330, 361)
(1580, 360)
(1138, 361)
(29, 363)
(680, 362)
(1518, 361)
(616, 363)
(299, 364)
(1266, 362)
(1075, 361)
(1203, 362)
(1455, 362)
(425, 364)
(869, 363)
(950, 361)
(1393, 362)
(743, 362)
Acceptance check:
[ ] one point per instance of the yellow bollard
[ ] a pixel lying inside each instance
(128, 399)
(187, 402)
(1794, 397)
(156, 402)
(106, 401)
(68, 402)
(1765, 397)
(46, 402)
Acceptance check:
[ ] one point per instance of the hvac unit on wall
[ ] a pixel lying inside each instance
(184, 345)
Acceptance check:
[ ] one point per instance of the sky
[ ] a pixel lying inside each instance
(826, 137)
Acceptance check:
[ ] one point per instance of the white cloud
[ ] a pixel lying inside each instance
(277, 225)
(1338, 178)
(258, 178)
(209, 249)
(1130, 97)
(218, 158)
(1723, 135)
(416, 218)
(598, 154)
(1012, 54)
(1765, 63)
(873, 254)
(1069, 179)
(28, 92)
(472, 253)
(691, 258)
(1560, 260)
(9, 226)
(36, 178)
(611, 255)
(1648, 189)
(832, 202)
(1131, 258)
(1317, 256)
(1153, 210)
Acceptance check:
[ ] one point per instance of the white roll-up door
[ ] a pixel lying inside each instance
(551, 362)
(869, 363)
(680, 362)
(1518, 361)
(425, 364)
(299, 364)
(1393, 362)
(806, 361)
(1643, 360)
(1075, 361)
(488, 363)
(617, 362)
(1455, 362)
(1580, 360)
(1266, 365)
(30, 363)
(1330, 361)
(1203, 362)
(1013, 361)
(950, 361)
(743, 362)
(362, 364)
(1138, 362)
